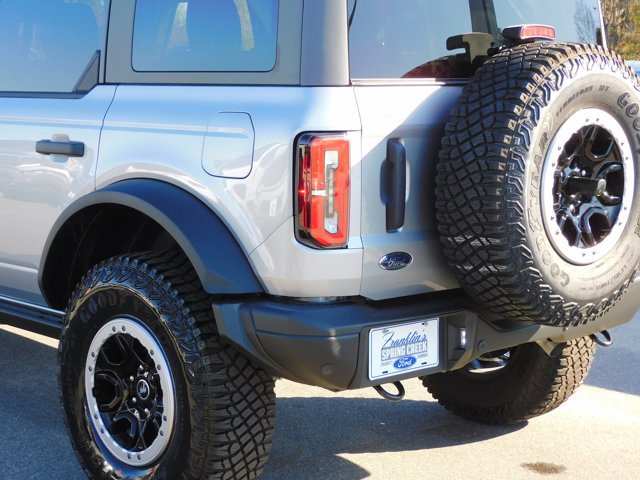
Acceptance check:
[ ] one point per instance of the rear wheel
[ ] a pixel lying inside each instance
(148, 389)
(513, 385)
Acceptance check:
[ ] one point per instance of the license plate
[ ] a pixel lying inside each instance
(399, 349)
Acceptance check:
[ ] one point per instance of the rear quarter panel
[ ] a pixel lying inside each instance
(158, 132)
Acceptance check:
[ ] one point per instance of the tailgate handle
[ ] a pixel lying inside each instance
(394, 183)
(68, 149)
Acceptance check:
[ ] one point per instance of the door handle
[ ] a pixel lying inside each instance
(68, 149)
(394, 184)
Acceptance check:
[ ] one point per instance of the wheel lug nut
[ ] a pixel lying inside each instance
(134, 400)
(131, 379)
(146, 411)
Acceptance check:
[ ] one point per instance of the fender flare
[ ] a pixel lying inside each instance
(215, 254)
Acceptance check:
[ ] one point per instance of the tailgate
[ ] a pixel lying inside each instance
(408, 60)
(412, 119)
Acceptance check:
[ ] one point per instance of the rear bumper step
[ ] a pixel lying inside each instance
(327, 344)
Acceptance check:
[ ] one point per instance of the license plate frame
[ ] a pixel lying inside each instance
(402, 348)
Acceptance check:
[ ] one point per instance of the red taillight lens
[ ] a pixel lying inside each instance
(322, 210)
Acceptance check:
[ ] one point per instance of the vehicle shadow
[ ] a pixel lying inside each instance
(311, 433)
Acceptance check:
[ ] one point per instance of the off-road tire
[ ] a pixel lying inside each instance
(224, 405)
(531, 384)
(505, 252)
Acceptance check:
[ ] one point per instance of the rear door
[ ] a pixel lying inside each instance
(51, 113)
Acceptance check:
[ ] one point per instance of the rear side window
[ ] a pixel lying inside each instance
(205, 35)
(47, 45)
(408, 38)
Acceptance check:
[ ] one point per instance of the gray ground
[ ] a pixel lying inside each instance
(357, 435)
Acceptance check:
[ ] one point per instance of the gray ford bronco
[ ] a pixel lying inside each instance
(200, 196)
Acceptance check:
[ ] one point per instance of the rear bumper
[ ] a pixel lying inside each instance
(327, 344)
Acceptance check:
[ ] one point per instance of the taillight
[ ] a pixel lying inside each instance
(322, 206)
(529, 33)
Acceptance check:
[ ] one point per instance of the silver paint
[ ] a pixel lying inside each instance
(228, 145)
(416, 115)
(35, 188)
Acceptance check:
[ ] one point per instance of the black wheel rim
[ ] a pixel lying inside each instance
(130, 393)
(587, 186)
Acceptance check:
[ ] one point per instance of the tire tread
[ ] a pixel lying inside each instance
(550, 382)
(233, 401)
(480, 181)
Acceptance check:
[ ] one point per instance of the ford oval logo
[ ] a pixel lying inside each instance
(396, 261)
(405, 362)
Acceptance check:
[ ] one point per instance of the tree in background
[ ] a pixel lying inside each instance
(622, 22)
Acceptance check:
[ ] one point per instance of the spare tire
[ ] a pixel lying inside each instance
(538, 183)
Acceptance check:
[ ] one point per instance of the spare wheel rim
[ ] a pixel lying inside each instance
(587, 186)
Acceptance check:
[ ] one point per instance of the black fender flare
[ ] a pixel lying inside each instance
(215, 254)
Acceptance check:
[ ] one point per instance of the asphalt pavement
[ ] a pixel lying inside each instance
(357, 435)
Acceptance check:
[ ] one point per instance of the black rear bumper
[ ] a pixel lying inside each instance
(327, 344)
